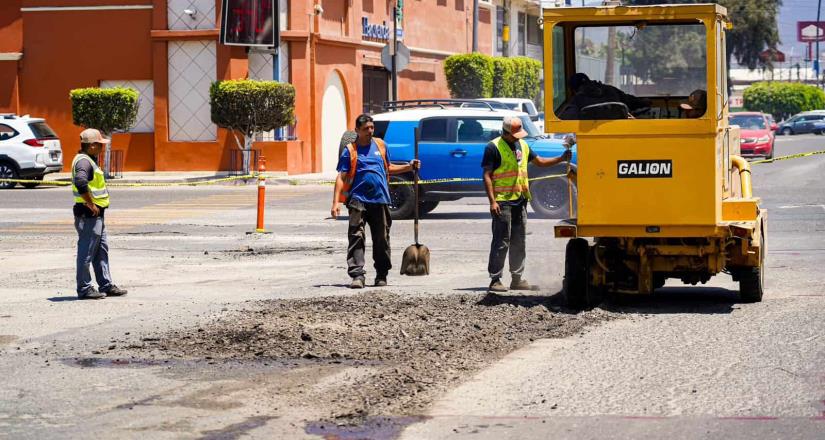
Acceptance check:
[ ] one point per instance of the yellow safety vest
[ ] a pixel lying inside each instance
(97, 185)
(510, 178)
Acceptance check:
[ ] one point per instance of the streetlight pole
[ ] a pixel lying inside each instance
(475, 25)
(394, 50)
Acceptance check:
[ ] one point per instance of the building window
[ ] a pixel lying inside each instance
(522, 21)
(499, 29)
(145, 122)
(533, 31)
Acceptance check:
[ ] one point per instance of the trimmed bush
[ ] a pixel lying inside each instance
(108, 110)
(469, 75)
(509, 77)
(250, 107)
(783, 99)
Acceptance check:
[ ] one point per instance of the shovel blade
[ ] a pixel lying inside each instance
(416, 260)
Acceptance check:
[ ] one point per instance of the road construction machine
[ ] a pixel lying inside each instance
(662, 191)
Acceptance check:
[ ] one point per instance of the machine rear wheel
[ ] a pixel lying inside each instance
(574, 285)
(752, 279)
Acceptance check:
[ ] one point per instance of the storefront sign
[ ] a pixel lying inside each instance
(374, 31)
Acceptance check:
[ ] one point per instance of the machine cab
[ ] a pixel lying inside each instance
(644, 89)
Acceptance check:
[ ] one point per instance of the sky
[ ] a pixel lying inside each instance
(791, 12)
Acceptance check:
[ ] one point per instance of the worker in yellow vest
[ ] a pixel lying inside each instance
(91, 199)
(505, 179)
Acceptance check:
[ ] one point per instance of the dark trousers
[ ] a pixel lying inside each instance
(377, 216)
(92, 249)
(509, 229)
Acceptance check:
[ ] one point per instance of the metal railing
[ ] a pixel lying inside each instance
(442, 103)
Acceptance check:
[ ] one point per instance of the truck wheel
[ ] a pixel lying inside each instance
(550, 198)
(752, 279)
(7, 171)
(575, 281)
(426, 207)
(402, 199)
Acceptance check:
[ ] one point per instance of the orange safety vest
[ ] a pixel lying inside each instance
(353, 162)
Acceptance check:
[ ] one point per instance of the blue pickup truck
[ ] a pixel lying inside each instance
(451, 146)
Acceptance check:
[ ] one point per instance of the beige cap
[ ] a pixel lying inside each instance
(513, 126)
(92, 136)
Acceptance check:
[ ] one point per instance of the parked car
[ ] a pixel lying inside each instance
(526, 106)
(29, 149)
(819, 127)
(756, 136)
(451, 145)
(801, 123)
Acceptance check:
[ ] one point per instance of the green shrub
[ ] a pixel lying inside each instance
(108, 110)
(251, 106)
(469, 75)
(783, 99)
(509, 77)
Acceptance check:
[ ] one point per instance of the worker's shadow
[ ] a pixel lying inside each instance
(63, 298)
(667, 300)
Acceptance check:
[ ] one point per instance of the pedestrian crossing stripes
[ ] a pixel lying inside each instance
(121, 220)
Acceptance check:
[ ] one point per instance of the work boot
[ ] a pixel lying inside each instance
(115, 291)
(357, 283)
(91, 294)
(519, 284)
(380, 281)
(496, 286)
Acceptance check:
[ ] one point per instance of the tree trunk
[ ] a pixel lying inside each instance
(610, 65)
(107, 156)
(247, 153)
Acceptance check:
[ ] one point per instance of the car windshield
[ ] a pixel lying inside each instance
(748, 122)
(530, 127)
(485, 104)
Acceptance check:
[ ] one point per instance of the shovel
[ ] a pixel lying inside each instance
(416, 259)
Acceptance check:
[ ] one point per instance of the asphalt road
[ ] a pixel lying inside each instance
(686, 363)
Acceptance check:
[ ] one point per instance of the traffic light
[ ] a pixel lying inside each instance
(249, 23)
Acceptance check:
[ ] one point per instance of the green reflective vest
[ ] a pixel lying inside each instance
(97, 185)
(510, 178)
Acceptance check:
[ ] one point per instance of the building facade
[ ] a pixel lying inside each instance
(169, 51)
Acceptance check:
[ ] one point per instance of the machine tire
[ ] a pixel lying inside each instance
(426, 207)
(7, 171)
(32, 185)
(787, 131)
(575, 281)
(752, 279)
(550, 198)
(402, 199)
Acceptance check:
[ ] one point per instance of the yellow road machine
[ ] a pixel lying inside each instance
(662, 191)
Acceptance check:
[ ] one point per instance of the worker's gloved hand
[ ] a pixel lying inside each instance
(415, 164)
(569, 141)
(566, 156)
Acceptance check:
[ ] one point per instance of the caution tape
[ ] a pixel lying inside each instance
(139, 184)
(332, 182)
(790, 156)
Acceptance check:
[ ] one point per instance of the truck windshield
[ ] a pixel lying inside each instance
(652, 60)
(748, 122)
(652, 68)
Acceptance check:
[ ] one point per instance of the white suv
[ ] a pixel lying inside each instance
(523, 105)
(29, 149)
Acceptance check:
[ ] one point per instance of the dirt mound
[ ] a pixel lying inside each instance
(410, 348)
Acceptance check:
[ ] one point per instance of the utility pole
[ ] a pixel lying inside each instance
(816, 60)
(475, 25)
(394, 50)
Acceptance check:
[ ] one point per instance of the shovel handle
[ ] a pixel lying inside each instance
(415, 183)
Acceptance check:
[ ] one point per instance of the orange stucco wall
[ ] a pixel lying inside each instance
(64, 50)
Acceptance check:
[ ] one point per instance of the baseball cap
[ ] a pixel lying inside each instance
(92, 136)
(512, 125)
(698, 100)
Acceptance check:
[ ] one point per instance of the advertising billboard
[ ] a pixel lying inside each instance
(249, 23)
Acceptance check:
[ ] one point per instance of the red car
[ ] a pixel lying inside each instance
(756, 135)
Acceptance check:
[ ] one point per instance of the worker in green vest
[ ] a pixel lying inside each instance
(505, 179)
(91, 198)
